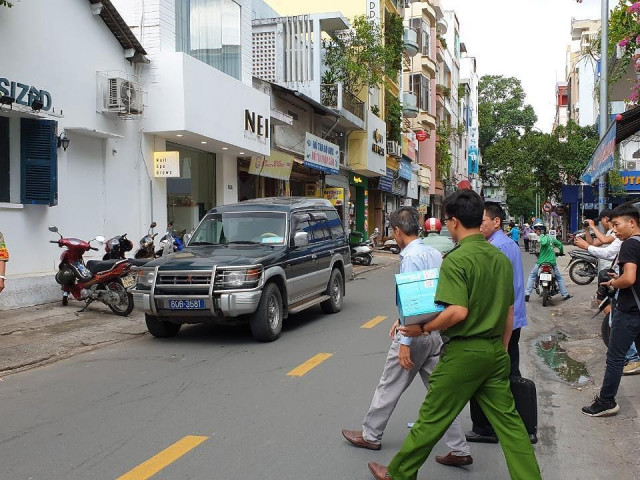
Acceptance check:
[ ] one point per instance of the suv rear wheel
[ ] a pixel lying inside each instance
(266, 321)
(335, 290)
(161, 328)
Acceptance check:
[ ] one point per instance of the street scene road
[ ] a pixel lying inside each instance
(213, 403)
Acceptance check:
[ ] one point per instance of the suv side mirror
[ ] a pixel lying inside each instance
(301, 239)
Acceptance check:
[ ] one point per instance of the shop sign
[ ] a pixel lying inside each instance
(166, 164)
(24, 94)
(373, 11)
(631, 181)
(399, 187)
(335, 195)
(376, 154)
(408, 148)
(423, 196)
(472, 151)
(423, 209)
(412, 187)
(358, 180)
(255, 124)
(386, 182)
(421, 135)
(404, 169)
(278, 165)
(321, 155)
(603, 158)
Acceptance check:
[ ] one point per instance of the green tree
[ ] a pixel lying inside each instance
(501, 110)
(5, 3)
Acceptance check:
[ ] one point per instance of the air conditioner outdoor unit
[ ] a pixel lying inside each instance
(124, 96)
(393, 149)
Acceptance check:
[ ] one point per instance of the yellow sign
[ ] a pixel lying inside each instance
(278, 165)
(166, 164)
(335, 195)
(311, 190)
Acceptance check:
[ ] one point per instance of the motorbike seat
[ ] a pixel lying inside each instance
(97, 266)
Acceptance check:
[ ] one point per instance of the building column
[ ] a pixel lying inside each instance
(226, 179)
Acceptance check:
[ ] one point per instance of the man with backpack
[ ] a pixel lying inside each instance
(625, 325)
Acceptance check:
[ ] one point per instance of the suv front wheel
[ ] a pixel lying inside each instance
(161, 328)
(266, 322)
(335, 290)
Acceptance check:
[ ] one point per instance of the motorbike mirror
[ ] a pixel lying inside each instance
(100, 239)
(53, 228)
(186, 238)
(153, 225)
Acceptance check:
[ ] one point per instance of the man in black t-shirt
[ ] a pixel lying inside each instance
(625, 324)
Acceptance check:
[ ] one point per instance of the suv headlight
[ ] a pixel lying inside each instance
(241, 278)
(145, 279)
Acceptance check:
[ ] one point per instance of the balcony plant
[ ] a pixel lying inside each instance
(446, 92)
(394, 45)
(462, 91)
(442, 41)
(443, 151)
(393, 117)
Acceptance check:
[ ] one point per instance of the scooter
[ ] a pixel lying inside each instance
(116, 247)
(391, 245)
(147, 248)
(169, 243)
(583, 267)
(361, 252)
(546, 285)
(106, 281)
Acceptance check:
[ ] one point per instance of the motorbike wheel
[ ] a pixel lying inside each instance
(545, 297)
(366, 259)
(125, 306)
(605, 330)
(579, 273)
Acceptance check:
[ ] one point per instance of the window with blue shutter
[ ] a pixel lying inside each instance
(39, 162)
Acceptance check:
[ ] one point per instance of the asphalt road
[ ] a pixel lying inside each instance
(214, 404)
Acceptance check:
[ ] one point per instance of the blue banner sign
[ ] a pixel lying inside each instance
(631, 181)
(404, 169)
(473, 160)
(386, 182)
(603, 158)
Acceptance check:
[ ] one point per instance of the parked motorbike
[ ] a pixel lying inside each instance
(546, 285)
(583, 267)
(106, 281)
(147, 247)
(391, 245)
(361, 252)
(116, 247)
(170, 242)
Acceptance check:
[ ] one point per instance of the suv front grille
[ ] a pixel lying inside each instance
(172, 279)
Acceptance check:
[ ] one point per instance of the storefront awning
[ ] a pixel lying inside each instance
(602, 161)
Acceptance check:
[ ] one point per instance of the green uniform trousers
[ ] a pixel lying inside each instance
(470, 367)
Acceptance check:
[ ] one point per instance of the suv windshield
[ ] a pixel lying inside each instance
(241, 228)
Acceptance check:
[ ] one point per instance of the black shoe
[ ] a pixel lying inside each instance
(533, 438)
(472, 436)
(601, 408)
(567, 297)
(526, 298)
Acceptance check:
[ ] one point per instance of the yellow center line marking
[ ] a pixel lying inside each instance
(163, 459)
(309, 364)
(374, 321)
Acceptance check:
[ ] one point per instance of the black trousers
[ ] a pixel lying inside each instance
(514, 354)
(526, 244)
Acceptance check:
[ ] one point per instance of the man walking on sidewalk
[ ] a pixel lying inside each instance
(408, 356)
(625, 324)
(476, 286)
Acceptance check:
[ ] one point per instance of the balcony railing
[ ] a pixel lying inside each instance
(334, 95)
(410, 41)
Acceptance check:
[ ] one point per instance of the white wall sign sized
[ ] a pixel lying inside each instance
(373, 11)
(166, 164)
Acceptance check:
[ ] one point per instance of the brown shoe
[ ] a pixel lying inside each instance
(452, 460)
(356, 438)
(379, 471)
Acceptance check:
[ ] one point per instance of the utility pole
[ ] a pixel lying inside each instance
(604, 109)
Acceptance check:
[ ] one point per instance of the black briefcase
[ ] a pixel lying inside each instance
(525, 397)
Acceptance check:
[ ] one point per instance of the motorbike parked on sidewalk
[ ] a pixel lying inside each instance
(546, 285)
(170, 242)
(116, 247)
(361, 252)
(147, 248)
(106, 281)
(583, 267)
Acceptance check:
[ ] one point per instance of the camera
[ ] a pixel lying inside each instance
(585, 224)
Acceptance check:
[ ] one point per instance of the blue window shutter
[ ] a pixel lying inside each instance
(39, 162)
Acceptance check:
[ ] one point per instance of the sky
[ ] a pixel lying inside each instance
(526, 39)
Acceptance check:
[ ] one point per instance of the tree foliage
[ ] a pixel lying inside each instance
(356, 57)
(501, 110)
(5, 3)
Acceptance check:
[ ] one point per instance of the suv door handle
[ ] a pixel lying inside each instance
(314, 256)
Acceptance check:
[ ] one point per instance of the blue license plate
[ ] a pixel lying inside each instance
(186, 304)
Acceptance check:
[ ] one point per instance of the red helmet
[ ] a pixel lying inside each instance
(432, 225)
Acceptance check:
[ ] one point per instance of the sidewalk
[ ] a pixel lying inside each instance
(35, 336)
(381, 259)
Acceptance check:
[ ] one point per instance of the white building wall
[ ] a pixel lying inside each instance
(586, 91)
(103, 184)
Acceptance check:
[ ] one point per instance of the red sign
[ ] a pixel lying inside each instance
(547, 207)
(421, 135)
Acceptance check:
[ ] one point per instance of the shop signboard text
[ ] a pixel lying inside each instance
(278, 165)
(335, 195)
(321, 155)
(166, 164)
(24, 94)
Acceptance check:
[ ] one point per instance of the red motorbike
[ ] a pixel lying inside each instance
(106, 281)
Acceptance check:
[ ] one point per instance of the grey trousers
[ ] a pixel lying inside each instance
(425, 353)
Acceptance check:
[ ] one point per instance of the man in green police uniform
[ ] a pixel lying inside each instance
(476, 285)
